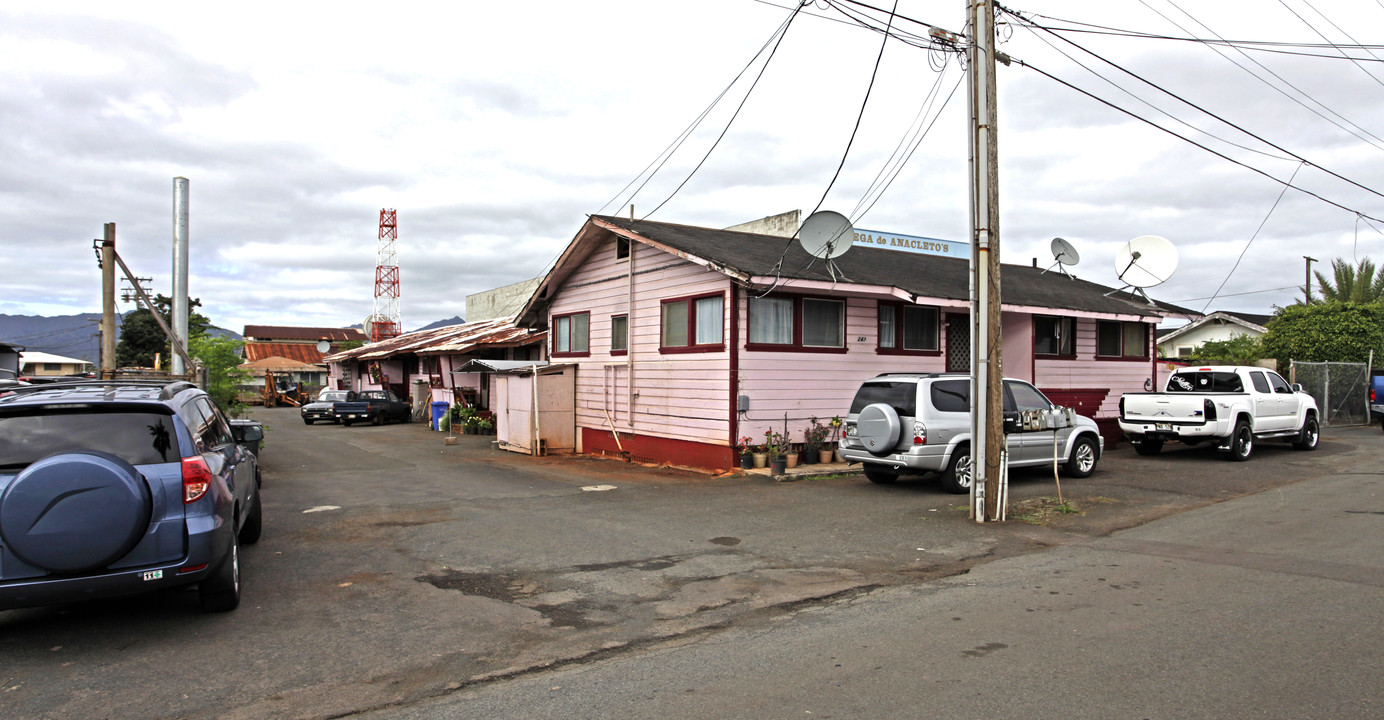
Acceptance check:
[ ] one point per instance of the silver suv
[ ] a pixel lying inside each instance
(918, 422)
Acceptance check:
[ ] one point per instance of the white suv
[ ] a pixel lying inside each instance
(919, 422)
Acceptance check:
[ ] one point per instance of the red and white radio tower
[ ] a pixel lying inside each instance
(384, 321)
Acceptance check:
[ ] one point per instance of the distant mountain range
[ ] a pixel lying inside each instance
(79, 336)
(74, 336)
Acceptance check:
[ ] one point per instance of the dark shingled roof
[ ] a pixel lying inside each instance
(927, 276)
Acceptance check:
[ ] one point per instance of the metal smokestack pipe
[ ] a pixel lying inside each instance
(108, 303)
(180, 299)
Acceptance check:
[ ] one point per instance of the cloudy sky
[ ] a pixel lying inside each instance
(495, 129)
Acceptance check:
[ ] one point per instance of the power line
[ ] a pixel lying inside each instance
(1338, 27)
(1244, 250)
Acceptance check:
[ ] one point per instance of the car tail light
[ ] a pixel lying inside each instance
(1210, 408)
(919, 434)
(1122, 407)
(196, 479)
(1371, 394)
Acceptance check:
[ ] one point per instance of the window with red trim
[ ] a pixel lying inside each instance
(797, 323)
(572, 334)
(908, 329)
(1054, 336)
(1125, 340)
(693, 324)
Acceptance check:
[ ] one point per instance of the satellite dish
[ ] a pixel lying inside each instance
(1146, 261)
(323, 346)
(826, 234)
(1063, 254)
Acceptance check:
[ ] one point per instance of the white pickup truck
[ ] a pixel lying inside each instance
(1230, 405)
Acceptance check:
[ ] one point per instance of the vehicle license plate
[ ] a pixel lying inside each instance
(153, 575)
(1162, 426)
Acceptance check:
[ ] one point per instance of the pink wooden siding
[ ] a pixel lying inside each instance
(682, 396)
(1119, 376)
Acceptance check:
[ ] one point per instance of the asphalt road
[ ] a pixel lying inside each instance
(397, 571)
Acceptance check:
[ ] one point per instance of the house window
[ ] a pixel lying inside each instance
(619, 334)
(571, 334)
(797, 323)
(1121, 340)
(1054, 336)
(622, 248)
(1185, 351)
(908, 328)
(52, 367)
(693, 324)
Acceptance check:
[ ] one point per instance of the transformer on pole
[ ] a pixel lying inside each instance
(384, 322)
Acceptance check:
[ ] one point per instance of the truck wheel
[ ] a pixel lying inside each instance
(1311, 433)
(1083, 460)
(957, 478)
(307, 421)
(880, 475)
(378, 419)
(1241, 442)
(221, 591)
(347, 422)
(1148, 447)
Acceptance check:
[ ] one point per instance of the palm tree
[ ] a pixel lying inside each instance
(1358, 284)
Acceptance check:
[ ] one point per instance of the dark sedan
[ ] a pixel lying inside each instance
(321, 408)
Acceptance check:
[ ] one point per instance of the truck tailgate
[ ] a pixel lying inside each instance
(1164, 407)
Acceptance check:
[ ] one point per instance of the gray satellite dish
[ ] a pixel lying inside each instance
(826, 234)
(1144, 262)
(1063, 254)
(323, 346)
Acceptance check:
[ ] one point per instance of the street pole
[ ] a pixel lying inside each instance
(1310, 260)
(108, 303)
(987, 421)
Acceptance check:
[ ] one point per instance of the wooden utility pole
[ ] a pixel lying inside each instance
(108, 303)
(987, 420)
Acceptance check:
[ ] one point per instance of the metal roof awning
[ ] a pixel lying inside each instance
(507, 366)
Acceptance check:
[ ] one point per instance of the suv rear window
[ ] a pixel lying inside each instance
(139, 438)
(1227, 382)
(902, 396)
(952, 396)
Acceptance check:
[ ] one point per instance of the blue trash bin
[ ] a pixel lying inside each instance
(439, 410)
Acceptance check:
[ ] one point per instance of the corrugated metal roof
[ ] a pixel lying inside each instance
(301, 352)
(278, 363)
(449, 340)
(279, 332)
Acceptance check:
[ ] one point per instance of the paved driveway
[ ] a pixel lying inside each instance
(395, 567)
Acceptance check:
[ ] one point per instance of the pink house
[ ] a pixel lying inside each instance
(687, 338)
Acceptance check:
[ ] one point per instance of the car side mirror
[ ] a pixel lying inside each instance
(1297, 387)
(248, 433)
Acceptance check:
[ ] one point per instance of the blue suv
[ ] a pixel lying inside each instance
(119, 487)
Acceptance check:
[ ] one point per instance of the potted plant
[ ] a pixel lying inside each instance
(776, 446)
(813, 438)
(836, 424)
(485, 426)
(747, 448)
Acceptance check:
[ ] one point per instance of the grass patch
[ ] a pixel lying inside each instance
(1044, 510)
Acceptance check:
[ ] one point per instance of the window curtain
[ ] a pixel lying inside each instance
(822, 323)
(771, 321)
(709, 320)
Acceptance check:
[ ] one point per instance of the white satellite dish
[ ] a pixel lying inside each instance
(826, 234)
(323, 346)
(1146, 261)
(1063, 254)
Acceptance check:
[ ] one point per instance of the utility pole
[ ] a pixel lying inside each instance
(987, 393)
(1310, 260)
(108, 303)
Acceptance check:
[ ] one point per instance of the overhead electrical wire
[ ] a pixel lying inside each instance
(1160, 89)
(1371, 75)
(1249, 242)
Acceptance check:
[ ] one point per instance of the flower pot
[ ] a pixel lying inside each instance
(839, 457)
(807, 457)
(791, 459)
(778, 465)
(746, 461)
(825, 456)
(760, 459)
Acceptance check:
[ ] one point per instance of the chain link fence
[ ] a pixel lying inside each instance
(1341, 390)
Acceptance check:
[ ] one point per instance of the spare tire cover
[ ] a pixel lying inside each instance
(75, 511)
(878, 427)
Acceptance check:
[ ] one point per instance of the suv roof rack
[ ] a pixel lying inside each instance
(921, 374)
(167, 388)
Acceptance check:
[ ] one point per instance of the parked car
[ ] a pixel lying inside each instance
(373, 406)
(1377, 399)
(321, 408)
(1232, 406)
(119, 487)
(915, 422)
